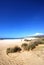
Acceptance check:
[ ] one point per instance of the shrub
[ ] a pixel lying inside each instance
(36, 43)
(17, 49)
(43, 39)
(8, 50)
(26, 40)
(28, 46)
(24, 46)
(12, 50)
(39, 42)
(32, 46)
(42, 42)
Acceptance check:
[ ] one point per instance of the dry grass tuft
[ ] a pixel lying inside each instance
(24, 46)
(13, 50)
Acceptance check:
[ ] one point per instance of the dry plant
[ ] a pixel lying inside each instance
(24, 46)
(13, 50)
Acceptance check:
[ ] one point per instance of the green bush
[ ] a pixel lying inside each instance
(12, 50)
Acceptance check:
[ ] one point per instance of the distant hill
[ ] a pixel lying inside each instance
(39, 36)
(35, 36)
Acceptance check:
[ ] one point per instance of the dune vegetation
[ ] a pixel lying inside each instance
(26, 53)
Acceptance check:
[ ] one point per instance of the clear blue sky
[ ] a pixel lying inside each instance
(20, 18)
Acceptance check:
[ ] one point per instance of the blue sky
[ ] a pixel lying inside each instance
(20, 18)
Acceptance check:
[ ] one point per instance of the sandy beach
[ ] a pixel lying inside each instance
(22, 58)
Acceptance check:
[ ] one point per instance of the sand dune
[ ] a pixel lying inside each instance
(22, 58)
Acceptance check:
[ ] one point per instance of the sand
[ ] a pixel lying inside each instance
(22, 58)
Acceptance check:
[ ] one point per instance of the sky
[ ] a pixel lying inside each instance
(19, 18)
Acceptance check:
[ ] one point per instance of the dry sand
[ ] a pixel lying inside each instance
(22, 58)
